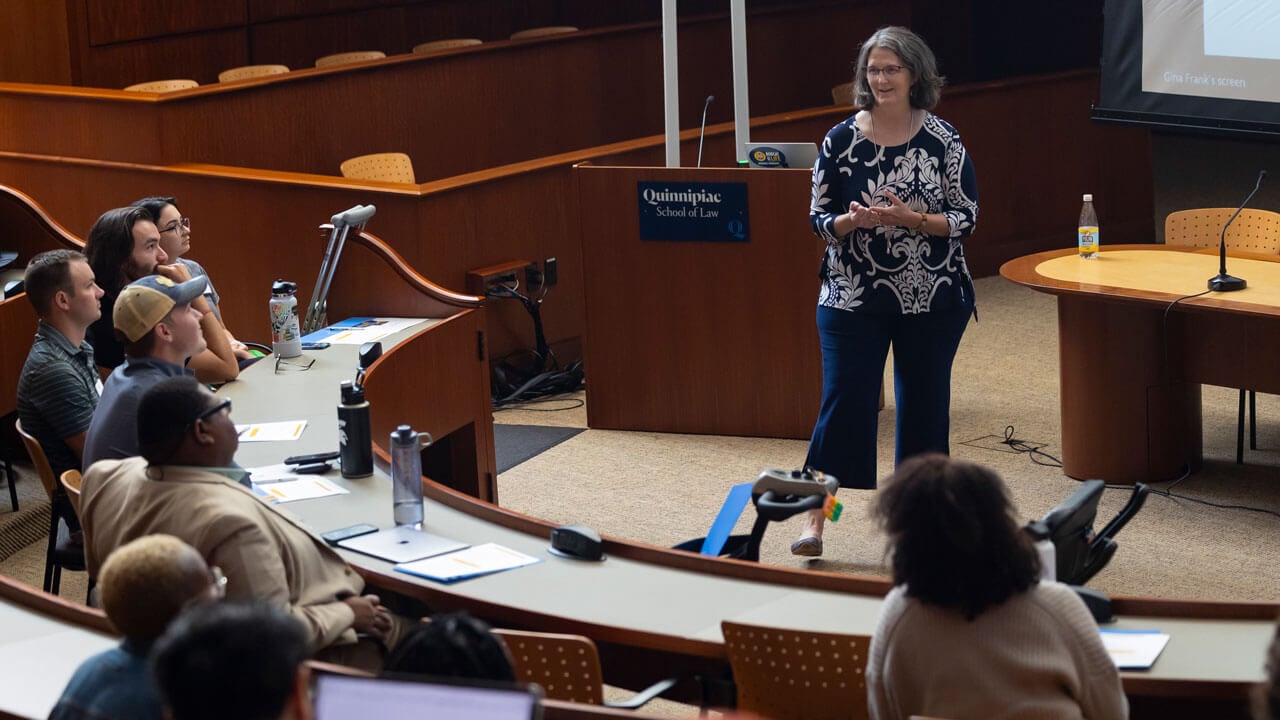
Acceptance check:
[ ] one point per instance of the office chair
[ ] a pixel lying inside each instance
(447, 44)
(543, 32)
(163, 86)
(798, 674)
(61, 552)
(386, 167)
(349, 57)
(842, 94)
(251, 71)
(1255, 231)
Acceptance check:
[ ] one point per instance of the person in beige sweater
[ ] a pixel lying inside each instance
(969, 630)
(185, 485)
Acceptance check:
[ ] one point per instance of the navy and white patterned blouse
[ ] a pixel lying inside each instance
(895, 269)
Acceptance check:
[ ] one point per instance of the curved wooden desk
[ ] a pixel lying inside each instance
(656, 611)
(1130, 372)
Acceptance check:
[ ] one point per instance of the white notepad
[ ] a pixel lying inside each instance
(1134, 649)
(402, 544)
(473, 562)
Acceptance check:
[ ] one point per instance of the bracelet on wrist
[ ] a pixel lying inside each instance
(924, 220)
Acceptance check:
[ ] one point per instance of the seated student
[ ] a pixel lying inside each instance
(123, 246)
(452, 645)
(175, 240)
(59, 386)
(184, 484)
(144, 585)
(969, 630)
(162, 331)
(233, 660)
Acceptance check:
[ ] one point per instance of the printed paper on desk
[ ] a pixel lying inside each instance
(1134, 649)
(357, 331)
(304, 488)
(472, 562)
(271, 432)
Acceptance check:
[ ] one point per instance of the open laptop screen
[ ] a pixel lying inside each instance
(800, 156)
(339, 697)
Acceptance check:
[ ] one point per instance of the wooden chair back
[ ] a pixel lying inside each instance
(349, 57)
(842, 94)
(161, 86)
(1253, 231)
(566, 666)
(38, 459)
(71, 483)
(251, 71)
(544, 31)
(434, 45)
(796, 674)
(387, 167)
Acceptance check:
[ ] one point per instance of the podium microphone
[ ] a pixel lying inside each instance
(1222, 282)
(702, 133)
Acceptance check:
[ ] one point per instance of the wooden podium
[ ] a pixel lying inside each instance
(700, 336)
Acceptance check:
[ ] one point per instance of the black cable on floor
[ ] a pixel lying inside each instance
(574, 403)
(1033, 452)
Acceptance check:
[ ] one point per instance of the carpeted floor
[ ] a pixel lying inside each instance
(665, 488)
(513, 444)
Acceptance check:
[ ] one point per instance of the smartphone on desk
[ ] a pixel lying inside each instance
(315, 345)
(333, 537)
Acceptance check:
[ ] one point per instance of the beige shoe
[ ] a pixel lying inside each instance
(807, 547)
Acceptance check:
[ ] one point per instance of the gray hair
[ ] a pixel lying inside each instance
(914, 54)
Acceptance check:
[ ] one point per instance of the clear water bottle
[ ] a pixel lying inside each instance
(1088, 230)
(406, 475)
(286, 335)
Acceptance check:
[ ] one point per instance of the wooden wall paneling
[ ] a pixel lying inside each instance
(444, 228)
(266, 10)
(198, 56)
(35, 42)
(1032, 173)
(117, 21)
(831, 36)
(49, 120)
(453, 113)
(489, 106)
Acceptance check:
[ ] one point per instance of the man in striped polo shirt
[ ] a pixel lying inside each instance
(59, 386)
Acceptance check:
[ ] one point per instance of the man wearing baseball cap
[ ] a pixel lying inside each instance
(160, 330)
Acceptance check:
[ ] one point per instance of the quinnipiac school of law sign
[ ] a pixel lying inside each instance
(686, 212)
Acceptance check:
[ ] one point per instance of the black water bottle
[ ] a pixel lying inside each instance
(355, 442)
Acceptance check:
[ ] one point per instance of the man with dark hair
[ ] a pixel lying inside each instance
(155, 316)
(59, 386)
(230, 660)
(185, 485)
(144, 585)
(123, 246)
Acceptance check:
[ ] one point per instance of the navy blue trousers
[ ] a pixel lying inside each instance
(854, 348)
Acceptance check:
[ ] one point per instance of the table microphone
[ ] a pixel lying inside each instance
(1222, 282)
(702, 133)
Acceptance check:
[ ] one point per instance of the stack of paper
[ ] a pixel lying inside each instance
(469, 563)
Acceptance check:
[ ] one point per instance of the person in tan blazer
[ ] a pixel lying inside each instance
(185, 485)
